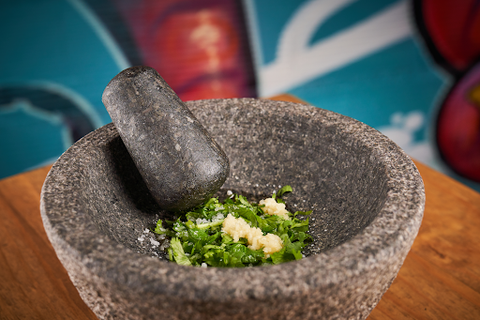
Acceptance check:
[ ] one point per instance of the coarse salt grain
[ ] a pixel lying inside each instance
(218, 217)
(201, 221)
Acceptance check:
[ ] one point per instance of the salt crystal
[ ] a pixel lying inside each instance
(218, 217)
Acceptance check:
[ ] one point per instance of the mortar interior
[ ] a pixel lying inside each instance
(331, 171)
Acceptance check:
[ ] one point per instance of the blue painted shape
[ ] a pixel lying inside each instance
(50, 41)
(397, 78)
(29, 135)
(55, 44)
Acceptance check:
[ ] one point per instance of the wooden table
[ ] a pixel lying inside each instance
(440, 278)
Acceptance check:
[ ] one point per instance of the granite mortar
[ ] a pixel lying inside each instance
(366, 193)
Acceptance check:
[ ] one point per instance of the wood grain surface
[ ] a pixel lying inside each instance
(33, 282)
(440, 278)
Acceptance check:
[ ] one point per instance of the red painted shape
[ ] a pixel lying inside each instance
(200, 48)
(454, 29)
(458, 126)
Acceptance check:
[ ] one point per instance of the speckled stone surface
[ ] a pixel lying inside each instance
(367, 196)
(181, 164)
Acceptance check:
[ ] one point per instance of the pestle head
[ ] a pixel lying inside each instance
(179, 161)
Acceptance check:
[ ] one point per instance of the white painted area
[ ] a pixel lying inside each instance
(303, 25)
(297, 62)
(402, 129)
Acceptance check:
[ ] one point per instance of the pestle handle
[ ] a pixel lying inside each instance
(179, 161)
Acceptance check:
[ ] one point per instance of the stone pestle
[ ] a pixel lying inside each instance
(179, 161)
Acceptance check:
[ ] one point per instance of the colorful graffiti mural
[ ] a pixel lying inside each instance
(452, 34)
(408, 68)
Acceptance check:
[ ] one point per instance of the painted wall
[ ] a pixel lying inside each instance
(408, 68)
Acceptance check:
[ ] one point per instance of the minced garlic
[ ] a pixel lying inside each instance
(272, 207)
(239, 228)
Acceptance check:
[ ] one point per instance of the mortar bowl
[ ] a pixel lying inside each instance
(366, 194)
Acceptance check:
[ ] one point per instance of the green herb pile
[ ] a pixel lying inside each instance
(196, 237)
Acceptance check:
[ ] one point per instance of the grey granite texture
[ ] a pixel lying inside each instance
(179, 161)
(366, 194)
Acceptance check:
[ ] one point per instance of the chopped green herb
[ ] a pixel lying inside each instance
(178, 253)
(199, 236)
(284, 190)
